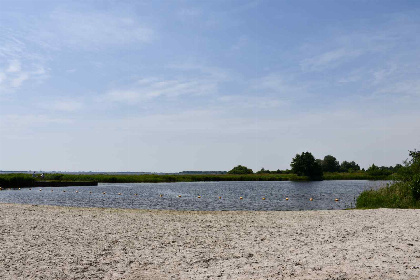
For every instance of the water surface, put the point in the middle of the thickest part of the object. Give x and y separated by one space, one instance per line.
118 195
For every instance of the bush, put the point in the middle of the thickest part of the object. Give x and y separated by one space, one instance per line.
403 193
415 187
240 170
18 180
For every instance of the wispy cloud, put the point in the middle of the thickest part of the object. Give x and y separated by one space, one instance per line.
89 30
234 102
15 75
189 12
403 88
202 70
280 86
329 60
187 80
14 66
152 88
17 81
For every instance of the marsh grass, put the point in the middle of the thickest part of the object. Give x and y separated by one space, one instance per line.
396 195
16 180
404 192
26 180
154 178
355 176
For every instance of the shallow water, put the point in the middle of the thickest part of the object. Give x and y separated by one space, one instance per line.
323 193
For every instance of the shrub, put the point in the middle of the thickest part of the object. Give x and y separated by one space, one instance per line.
403 193
415 187
241 170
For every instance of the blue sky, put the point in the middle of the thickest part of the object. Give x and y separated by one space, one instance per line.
206 85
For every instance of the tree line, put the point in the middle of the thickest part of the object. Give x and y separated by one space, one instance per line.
305 164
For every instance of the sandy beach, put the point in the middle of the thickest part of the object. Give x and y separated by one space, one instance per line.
47 242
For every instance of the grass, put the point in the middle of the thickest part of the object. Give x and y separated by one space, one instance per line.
16 180
396 195
26 180
355 176
153 178
22 180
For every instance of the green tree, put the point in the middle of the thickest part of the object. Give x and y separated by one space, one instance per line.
330 164
346 166
374 170
264 171
240 170
410 173
306 165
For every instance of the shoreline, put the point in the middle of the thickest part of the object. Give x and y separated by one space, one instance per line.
19 180
61 242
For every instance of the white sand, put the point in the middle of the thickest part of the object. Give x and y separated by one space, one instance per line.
45 242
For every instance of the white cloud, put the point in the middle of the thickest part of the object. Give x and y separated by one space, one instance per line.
16 75
17 81
14 66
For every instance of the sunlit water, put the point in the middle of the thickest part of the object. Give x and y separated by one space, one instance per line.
148 196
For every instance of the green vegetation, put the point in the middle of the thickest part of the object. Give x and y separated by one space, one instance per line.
346 166
154 178
240 170
16 180
25 180
330 164
304 168
403 193
358 175
306 165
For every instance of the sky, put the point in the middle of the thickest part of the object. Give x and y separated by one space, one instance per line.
167 86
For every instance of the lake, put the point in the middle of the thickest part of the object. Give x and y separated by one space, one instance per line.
148 196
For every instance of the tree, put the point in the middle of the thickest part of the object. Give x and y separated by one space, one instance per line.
240 170
375 171
411 167
330 164
349 166
263 171
409 174
306 165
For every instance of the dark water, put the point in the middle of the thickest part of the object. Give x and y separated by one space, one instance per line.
323 193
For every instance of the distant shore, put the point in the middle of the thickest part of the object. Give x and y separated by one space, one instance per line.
66 243
21 180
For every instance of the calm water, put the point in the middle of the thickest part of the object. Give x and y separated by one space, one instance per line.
323 193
